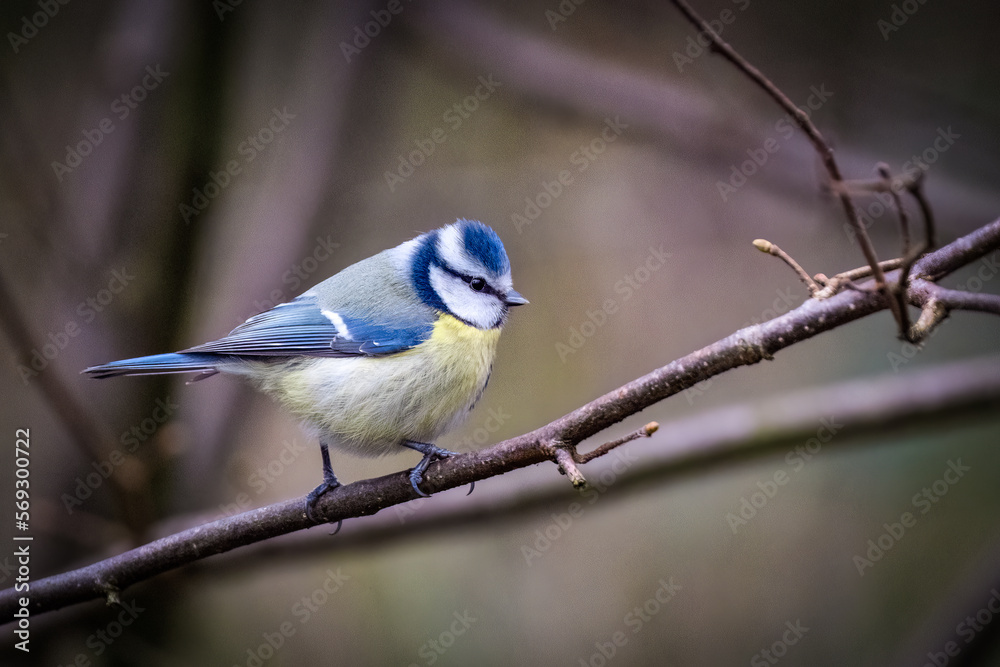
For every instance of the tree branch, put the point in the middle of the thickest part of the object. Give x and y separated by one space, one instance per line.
720 436
747 346
808 127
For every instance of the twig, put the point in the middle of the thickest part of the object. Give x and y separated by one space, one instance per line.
851 187
904 221
766 246
866 271
564 459
366 497
807 126
846 279
932 314
922 292
916 190
898 290
644 432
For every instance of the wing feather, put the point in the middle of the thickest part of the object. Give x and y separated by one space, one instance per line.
302 327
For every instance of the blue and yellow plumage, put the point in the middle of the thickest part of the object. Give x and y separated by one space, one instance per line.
392 351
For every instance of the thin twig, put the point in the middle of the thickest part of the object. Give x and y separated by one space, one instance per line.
916 190
898 290
846 279
644 432
807 126
904 220
922 291
766 246
853 187
745 347
932 314
564 459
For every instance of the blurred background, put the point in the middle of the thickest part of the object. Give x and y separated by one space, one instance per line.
172 168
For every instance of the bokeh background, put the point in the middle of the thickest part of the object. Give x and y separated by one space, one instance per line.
139 241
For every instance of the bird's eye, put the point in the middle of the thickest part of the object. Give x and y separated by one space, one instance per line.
477 284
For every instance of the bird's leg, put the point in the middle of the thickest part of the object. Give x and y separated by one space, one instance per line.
431 453
329 484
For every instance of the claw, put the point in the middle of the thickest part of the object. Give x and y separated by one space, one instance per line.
415 479
329 484
431 453
314 497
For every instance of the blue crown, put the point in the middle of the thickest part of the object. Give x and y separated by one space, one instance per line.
479 241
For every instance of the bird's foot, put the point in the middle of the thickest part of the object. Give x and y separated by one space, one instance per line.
431 453
330 483
314 497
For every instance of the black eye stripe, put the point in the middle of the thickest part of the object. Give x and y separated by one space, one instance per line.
487 288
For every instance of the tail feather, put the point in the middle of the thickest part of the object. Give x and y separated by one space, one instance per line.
158 364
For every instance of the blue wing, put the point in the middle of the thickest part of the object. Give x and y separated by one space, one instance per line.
302 327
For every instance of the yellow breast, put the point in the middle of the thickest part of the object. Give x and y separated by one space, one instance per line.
369 404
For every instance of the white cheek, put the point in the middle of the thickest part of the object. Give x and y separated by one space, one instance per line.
481 310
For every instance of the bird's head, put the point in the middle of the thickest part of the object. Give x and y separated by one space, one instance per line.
462 269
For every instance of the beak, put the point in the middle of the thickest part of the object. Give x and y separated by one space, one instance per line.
513 298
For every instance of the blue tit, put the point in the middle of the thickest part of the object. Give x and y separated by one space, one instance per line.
391 352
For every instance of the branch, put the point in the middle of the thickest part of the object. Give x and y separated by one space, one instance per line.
720 436
769 248
922 292
811 131
107 578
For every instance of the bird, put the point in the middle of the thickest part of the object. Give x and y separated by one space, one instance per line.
391 352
